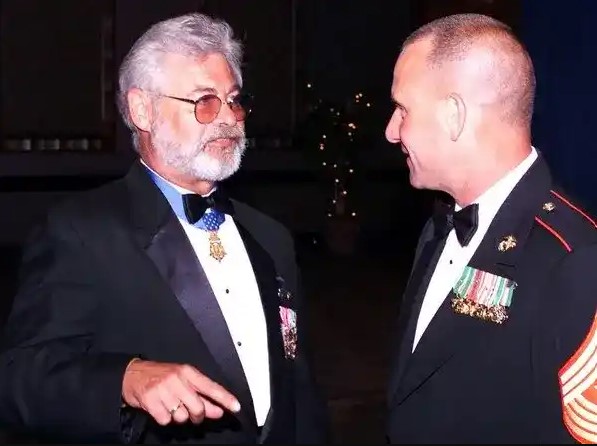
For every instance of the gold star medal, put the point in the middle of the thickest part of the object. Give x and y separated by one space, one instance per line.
211 222
216 249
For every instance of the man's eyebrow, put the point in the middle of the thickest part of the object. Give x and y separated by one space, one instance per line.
202 89
397 103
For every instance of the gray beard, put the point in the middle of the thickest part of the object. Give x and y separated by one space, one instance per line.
192 160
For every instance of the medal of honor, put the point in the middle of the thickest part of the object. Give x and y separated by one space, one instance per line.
216 249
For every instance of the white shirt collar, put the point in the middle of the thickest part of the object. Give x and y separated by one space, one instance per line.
492 199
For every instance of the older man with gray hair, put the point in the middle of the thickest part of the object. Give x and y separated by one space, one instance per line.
156 309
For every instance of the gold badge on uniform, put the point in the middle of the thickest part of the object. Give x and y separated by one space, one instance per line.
549 206
507 243
483 295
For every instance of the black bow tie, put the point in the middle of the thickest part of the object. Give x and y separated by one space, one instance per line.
464 222
195 205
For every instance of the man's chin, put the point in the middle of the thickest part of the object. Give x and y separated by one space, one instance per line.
415 181
215 172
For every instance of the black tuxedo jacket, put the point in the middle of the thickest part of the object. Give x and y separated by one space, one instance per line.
475 381
108 277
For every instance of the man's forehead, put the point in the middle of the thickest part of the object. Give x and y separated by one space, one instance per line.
413 56
202 63
211 71
404 73
411 64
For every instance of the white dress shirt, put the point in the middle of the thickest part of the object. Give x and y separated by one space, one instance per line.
235 287
454 258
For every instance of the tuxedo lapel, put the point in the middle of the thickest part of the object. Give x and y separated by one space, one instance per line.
414 293
188 297
449 333
265 274
173 254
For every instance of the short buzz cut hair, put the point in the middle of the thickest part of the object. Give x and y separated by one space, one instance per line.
514 77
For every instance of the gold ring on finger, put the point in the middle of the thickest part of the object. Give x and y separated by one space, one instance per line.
175 408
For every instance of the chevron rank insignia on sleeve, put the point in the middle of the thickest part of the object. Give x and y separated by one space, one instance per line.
578 382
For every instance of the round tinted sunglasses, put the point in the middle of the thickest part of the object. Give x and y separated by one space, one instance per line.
207 107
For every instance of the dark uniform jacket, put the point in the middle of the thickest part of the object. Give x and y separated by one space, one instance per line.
472 379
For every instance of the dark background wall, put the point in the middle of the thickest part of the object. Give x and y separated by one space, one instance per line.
59 134
561 38
58 64
58 71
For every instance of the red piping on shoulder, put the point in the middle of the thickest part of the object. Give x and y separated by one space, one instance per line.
555 233
574 207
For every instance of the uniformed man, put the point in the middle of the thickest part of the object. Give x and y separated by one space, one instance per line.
496 333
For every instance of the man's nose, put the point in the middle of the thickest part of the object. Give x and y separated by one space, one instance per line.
393 129
226 115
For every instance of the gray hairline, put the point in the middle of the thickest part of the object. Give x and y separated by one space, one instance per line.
192 35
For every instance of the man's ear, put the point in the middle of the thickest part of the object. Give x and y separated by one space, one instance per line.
140 108
454 115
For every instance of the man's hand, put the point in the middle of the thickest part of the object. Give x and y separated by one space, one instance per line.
174 392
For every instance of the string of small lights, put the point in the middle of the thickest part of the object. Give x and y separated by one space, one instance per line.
337 142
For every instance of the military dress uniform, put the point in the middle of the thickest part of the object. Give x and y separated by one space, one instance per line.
510 355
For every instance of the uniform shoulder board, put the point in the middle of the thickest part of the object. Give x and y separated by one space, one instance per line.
578 384
570 224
